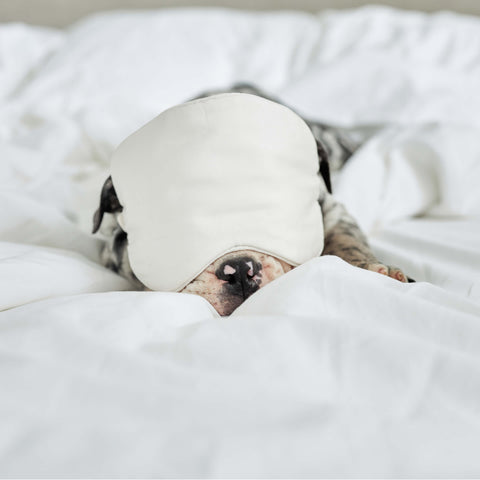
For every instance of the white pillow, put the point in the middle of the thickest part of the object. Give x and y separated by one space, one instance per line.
23 48
228 172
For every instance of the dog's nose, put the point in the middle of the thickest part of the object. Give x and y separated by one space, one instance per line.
243 275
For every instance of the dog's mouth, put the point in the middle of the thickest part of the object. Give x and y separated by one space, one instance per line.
231 279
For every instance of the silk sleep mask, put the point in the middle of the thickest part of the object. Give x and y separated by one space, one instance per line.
214 175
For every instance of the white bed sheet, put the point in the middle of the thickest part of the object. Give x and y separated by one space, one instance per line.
328 371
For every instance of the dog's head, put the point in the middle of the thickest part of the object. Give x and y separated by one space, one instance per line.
226 283
221 198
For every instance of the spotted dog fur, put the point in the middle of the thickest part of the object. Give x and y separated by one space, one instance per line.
344 239
232 278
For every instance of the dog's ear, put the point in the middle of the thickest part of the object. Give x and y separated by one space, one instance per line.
108 203
324 167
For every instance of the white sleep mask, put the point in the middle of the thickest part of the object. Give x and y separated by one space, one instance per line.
227 172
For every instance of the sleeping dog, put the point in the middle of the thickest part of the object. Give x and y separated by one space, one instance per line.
236 274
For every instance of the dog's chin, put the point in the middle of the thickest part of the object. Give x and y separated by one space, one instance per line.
219 293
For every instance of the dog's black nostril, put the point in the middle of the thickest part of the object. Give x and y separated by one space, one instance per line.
239 273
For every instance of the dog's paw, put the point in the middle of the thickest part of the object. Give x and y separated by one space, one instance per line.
392 272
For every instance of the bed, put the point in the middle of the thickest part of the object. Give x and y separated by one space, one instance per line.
329 371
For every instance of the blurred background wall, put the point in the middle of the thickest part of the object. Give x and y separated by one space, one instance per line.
59 13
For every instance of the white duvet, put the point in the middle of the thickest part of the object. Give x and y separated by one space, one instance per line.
328 371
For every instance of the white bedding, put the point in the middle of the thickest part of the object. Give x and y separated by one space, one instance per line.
328 371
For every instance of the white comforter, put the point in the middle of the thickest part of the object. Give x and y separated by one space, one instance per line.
328 371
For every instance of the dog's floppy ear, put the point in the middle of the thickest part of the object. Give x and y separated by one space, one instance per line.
324 167
108 203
